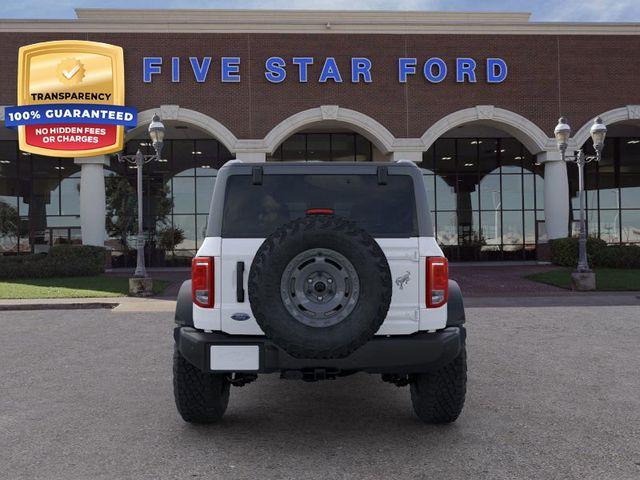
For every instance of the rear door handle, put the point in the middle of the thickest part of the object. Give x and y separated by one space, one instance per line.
240 282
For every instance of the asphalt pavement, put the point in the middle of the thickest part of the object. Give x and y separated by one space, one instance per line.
554 392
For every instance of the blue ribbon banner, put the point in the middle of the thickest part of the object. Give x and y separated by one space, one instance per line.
70 113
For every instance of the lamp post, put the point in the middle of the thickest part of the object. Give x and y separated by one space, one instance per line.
156 133
583 278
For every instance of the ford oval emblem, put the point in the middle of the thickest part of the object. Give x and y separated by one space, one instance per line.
240 317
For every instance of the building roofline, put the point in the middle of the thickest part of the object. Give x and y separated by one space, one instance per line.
310 21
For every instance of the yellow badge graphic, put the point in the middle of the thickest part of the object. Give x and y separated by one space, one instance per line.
71 99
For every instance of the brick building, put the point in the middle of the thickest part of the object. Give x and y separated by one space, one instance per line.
472 98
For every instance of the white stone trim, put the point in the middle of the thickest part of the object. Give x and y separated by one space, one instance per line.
531 136
312 21
628 112
192 117
382 138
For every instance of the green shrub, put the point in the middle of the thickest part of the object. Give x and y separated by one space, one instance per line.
564 252
61 261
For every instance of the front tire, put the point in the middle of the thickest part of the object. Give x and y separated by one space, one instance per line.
200 397
438 397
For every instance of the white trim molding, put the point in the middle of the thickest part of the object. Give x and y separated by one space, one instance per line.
192 117
531 136
373 130
622 114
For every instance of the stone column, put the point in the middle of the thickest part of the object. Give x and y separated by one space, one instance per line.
556 194
92 199
406 155
251 156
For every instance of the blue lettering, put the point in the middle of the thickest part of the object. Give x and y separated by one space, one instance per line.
330 71
496 70
200 71
275 69
428 70
175 69
360 67
151 66
230 69
406 66
465 67
303 64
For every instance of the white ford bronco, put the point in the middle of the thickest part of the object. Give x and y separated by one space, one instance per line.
317 271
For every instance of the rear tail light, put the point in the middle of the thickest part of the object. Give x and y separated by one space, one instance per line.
437 281
202 281
320 211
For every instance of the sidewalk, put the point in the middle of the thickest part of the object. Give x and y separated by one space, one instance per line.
483 286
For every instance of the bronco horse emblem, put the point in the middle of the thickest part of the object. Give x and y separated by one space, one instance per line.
402 280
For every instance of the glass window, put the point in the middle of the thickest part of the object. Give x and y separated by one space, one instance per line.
201 228
512 228
491 224
609 226
467 153
511 155
294 148
187 223
44 166
445 195
427 159
363 149
343 147
631 226
447 228
184 195
70 196
512 192
183 157
490 198
630 190
629 155
204 190
257 210
8 159
319 147
445 157
488 156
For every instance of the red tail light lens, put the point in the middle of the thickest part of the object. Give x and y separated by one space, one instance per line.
437 281
202 281
320 211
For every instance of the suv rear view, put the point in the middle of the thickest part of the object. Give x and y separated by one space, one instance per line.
317 271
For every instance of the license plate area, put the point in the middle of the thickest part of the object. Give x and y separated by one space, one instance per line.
234 358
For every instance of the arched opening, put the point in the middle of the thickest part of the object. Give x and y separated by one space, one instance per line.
612 186
486 193
327 142
176 190
329 133
39 199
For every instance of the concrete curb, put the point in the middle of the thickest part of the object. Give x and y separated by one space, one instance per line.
11 307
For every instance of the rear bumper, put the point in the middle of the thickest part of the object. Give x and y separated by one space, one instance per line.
400 354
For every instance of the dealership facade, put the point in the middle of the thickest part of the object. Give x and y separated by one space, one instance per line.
472 98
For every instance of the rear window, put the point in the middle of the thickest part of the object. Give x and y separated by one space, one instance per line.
255 211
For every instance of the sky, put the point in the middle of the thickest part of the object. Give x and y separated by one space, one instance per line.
542 10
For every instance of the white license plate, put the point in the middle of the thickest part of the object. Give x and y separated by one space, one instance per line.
235 358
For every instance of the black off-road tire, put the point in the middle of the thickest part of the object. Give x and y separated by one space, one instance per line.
322 232
438 397
200 397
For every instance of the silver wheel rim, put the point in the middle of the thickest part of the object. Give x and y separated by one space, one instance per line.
320 287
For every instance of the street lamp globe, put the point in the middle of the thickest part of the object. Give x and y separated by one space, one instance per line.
562 133
598 132
156 132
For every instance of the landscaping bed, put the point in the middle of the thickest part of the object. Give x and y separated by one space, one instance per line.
70 287
607 279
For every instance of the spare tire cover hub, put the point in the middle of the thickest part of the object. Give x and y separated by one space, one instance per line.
320 287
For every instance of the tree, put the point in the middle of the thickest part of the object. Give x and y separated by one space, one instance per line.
9 221
122 208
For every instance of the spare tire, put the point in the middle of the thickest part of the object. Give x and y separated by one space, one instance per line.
320 287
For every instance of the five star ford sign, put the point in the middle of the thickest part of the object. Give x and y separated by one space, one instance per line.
70 99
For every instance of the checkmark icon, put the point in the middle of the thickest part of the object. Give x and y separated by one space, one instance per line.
71 73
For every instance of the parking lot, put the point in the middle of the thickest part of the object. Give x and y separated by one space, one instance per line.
554 392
